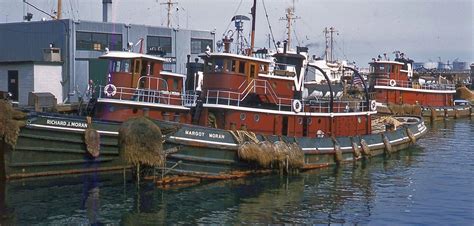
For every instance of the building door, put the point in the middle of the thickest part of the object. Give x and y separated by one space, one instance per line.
13 84
98 71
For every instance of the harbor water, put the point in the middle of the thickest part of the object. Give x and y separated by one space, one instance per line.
429 184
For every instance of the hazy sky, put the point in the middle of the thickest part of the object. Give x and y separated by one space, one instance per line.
423 29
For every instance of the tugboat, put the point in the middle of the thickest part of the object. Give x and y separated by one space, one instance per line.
398 91
137 83
250 117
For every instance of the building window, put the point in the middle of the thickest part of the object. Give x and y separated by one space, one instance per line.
114 41
158 45
200 45
98 41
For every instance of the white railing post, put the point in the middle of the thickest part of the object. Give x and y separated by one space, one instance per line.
238 101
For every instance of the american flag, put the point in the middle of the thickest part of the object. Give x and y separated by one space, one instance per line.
356 81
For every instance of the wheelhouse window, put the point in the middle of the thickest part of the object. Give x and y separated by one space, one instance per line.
219 65
242 67
200 45
98 41
379 68
121 66
252 71
263 68
234 66
158 45
175 84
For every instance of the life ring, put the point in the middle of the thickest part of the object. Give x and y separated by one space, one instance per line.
373 105
110 90
297 106
392 82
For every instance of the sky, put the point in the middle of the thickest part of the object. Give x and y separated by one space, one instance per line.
425 30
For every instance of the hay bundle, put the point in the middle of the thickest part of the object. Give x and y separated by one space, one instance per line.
464 93
417 110
392 121
365 147
268 155
411 136
356 150
5 116
10 123
92 140
338 158
11 134
396 109
281 150
296 156
267 149
407 109
388 146
251 152
141 142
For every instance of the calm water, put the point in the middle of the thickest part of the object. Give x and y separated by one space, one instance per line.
431 184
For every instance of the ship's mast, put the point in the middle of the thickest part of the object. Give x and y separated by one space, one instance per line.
58 15
169 4
289 17
328 34
252 36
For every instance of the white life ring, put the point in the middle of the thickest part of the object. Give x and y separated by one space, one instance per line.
110 90
297 106
392 82
373 105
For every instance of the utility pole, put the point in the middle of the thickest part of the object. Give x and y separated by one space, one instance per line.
289 17
169 5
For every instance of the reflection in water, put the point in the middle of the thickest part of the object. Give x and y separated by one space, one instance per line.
90 197
7 216
379 190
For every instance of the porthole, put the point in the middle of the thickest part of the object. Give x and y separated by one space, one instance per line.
256 117
242 116
310 121
300 121
319 121
359 120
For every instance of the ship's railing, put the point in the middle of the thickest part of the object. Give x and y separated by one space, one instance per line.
231 98
145 96
414 85
254 86
339 106
152 83
372 95
190 98
236 99
265 88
